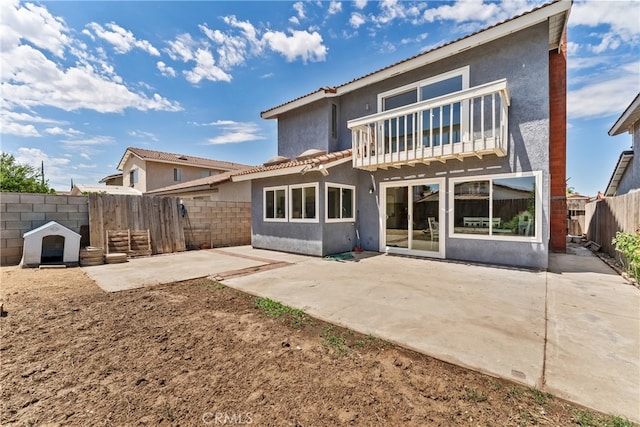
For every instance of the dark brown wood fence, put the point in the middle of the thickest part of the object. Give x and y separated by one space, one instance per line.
612 214
160 215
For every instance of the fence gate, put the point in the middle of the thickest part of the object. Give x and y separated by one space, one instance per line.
159 215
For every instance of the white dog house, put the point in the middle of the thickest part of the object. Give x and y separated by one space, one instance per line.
51 243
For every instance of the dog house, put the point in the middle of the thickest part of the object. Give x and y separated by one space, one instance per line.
51 243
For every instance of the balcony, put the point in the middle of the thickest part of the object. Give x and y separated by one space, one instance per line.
471 122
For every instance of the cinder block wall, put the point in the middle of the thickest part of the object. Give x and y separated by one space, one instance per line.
216 223
22 212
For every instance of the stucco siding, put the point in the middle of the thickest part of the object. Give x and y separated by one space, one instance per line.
304 129
631 178
522 58
310 238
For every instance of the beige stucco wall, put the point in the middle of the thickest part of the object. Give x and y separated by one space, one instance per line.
227 192
131 163
154 175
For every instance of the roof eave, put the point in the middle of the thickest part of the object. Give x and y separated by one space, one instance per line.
628 118
285 171
618 172
485 36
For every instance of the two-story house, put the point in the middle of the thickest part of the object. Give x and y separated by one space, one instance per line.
458 152
147 170
626 174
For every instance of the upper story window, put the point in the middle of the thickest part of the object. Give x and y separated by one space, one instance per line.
177 174
440 125
340 202
498 207
133 177
275 204
304 203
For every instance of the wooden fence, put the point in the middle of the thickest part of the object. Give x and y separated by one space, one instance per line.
160 215
612 214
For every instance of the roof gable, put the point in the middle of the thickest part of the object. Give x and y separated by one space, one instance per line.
556 12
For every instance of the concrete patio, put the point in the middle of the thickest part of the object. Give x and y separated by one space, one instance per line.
573 331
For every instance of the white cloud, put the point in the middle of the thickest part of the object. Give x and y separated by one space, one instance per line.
18 129
417 39
34 24
235 132
621 16
122 40
307 46
360 4
294 20
30 79
391 10
165 70
55 168
334 7
84 166
610 41
465 10
356 20
206 69
60 131
182 48
142 134
299 8
611 90
87 142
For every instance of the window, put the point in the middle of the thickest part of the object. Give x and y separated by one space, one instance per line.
334 121
499 206
304 202
204 174
177 174
340 202
436 126
275 204
133 177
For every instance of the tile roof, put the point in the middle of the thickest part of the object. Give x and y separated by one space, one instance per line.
209 181
321 159
334 89
163 157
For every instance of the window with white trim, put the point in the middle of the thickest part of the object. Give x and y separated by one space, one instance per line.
133 177
498 207
177 174
340 202
303 199
440 125
275 204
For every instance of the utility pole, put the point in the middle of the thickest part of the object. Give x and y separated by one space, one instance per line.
42 174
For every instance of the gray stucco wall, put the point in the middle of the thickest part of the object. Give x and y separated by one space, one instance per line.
521 58
306 128
631 178
316 239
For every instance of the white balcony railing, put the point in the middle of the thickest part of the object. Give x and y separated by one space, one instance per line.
471 122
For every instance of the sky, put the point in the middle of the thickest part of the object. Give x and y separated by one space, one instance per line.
82 81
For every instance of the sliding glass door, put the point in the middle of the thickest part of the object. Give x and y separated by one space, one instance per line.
412 217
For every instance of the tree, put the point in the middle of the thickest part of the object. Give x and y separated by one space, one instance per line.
18 178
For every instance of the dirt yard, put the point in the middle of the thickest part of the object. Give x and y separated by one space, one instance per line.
198 353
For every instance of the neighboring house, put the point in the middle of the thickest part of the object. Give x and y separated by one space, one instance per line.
458 152
576 206
84 189
626 174
148 170
218 187
115 179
